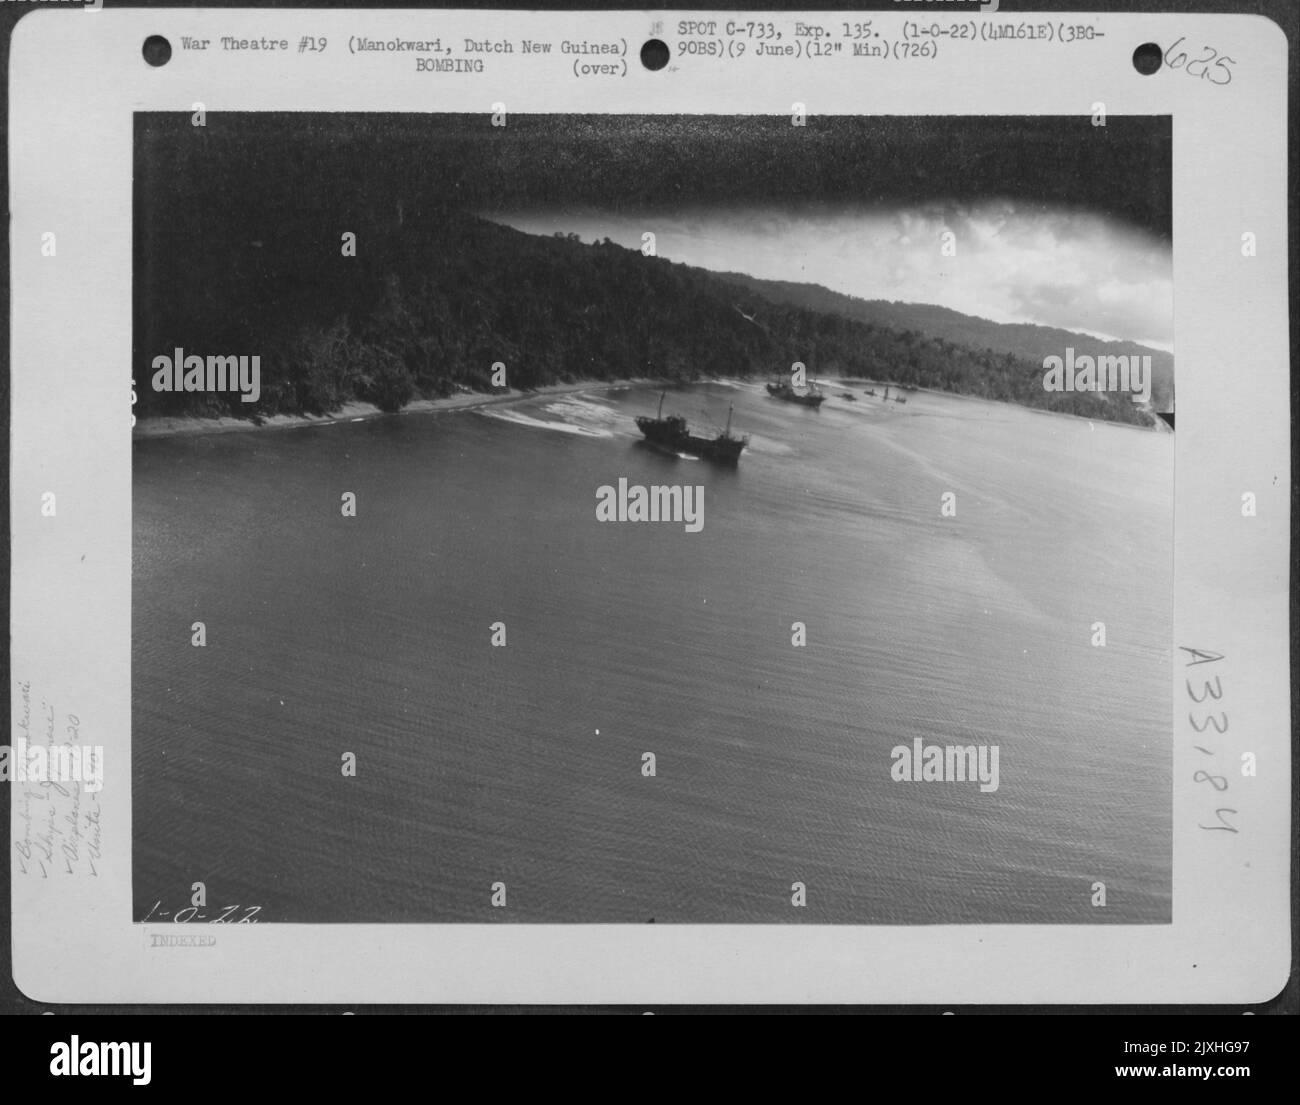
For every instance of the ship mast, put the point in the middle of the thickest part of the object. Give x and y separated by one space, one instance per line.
661 403
730 408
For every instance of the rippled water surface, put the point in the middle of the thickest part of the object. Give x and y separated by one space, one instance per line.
523 764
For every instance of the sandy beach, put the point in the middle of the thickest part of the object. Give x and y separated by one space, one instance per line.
357 411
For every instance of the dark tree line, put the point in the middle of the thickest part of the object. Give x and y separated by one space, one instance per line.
431 302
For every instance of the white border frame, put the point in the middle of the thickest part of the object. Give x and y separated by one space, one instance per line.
76 77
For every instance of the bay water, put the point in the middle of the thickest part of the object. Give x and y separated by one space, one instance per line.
525 764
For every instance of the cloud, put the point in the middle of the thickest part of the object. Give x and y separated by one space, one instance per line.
1013 263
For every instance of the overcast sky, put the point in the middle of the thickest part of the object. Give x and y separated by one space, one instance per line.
1056 221
1015 261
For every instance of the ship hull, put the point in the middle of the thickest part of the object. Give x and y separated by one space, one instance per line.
722 450
779 391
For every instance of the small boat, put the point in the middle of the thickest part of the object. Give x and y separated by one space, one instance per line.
885 397
899 398
811 396
849 396
671 433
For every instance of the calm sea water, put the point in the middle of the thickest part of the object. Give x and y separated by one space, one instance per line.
523 764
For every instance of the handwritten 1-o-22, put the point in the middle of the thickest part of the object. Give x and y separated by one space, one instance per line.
191 913
1211 690
1208 65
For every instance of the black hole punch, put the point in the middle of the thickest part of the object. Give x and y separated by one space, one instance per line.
654 54
1147 58
157 50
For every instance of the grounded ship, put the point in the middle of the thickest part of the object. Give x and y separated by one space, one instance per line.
887 397
811 396
671 433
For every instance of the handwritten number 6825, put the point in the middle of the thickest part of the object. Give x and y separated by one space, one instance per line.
1220 74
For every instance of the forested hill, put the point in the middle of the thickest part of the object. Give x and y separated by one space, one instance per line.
433 298
1023 340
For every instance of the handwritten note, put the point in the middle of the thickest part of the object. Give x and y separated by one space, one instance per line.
1209 699
1205 63
58 832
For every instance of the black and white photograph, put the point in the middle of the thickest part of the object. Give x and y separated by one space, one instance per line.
708 519
648 512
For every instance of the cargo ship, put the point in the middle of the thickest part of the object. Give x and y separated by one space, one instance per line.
671 433
811 396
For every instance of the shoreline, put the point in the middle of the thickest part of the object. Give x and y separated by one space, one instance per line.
1159 426
357 411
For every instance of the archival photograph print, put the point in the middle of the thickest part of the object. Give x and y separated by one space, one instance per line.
684 519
